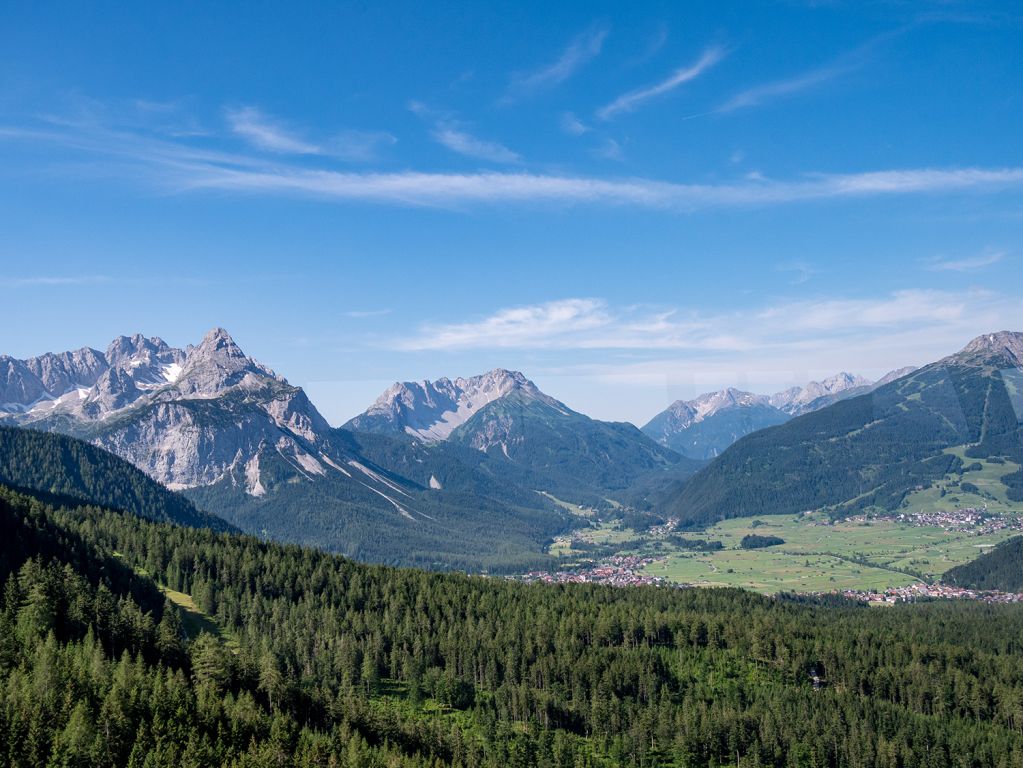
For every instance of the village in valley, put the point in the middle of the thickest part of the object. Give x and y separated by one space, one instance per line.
878 558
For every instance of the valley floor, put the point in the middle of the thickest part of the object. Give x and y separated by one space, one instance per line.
854 555
883 555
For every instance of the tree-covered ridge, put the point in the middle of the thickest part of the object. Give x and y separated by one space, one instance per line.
77 472
1000 568
564 452
868 451
344 664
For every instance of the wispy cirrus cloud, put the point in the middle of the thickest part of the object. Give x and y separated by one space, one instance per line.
451 133
456 189
765 92
464 143
572 125
594 324
580 51
266 133
844 64
537 325
359 146
362 314
969 264
629 102
180 166
53 280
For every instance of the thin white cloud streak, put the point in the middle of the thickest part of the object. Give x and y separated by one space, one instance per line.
609 150
757 95
360 314
592 324
630 101
580 51
264 133
178 166
520 327
53 280
359 146
451 134
843 65
454 189
572 125
464 143
968 264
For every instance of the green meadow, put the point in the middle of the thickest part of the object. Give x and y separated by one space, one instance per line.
818 556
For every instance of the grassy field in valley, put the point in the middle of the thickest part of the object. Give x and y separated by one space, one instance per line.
817 556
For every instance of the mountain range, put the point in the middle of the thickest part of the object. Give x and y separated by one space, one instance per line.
240 441
468 472
704 427
482 472
528 436
871 451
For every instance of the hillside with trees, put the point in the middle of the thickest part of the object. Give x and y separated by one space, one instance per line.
70 470
281 656
871 451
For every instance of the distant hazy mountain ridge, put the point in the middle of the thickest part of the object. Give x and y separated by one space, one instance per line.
705 426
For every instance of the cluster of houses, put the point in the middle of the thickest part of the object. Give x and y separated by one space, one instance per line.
920 591
974 520
616 571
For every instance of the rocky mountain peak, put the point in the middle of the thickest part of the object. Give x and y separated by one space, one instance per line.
1003 347
684 413
218 364
432 410
841 381
125 348
65 371
218 341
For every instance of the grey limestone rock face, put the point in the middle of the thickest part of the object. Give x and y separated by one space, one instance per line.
187 417
432 410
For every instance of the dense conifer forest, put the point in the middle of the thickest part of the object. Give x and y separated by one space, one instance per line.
1000 568
68 470
294 657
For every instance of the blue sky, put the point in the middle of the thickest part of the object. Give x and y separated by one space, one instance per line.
630 203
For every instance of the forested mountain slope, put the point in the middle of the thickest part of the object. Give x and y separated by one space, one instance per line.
999 568
561 451
315 660
871 450
75 471
521 435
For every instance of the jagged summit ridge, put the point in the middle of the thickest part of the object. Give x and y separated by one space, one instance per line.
703 427
1003 347
218 364
143 400
432 410
794 399
709 403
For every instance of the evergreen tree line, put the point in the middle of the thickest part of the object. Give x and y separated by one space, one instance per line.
293 657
